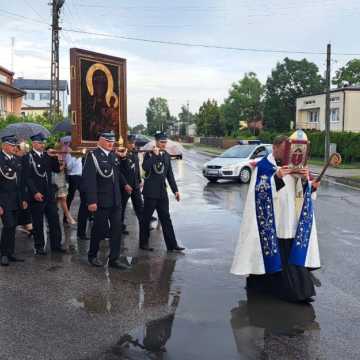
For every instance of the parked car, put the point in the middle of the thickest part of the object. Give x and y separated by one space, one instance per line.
234 163
141 140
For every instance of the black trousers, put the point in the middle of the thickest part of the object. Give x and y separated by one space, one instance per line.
83 214
50 210
137 201
102 218
162 208
7 242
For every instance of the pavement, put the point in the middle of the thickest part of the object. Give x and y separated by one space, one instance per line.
184 307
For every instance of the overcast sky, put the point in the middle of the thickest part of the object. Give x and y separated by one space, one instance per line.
181 74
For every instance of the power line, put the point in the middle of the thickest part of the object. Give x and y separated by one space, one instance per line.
208 46
34 10
187 44
23 17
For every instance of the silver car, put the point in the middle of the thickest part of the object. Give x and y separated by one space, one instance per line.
234 163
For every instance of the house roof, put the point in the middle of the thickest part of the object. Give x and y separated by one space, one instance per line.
12 90
348 88
38 84
6 71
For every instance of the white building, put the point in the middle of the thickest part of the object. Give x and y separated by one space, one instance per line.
344 110
37 98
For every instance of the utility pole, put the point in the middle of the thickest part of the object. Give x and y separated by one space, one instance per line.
54 82
327 108
12 53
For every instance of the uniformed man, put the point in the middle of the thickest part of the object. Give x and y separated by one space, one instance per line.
38 168
12 198
102 184
157 167
129 164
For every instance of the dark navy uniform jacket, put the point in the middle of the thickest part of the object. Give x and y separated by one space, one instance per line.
155 181
12 193
131 169
37 172
100 187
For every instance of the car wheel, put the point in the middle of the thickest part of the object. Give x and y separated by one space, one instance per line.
213 180
245 175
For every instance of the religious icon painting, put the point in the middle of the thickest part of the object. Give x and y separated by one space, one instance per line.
98 96
297 150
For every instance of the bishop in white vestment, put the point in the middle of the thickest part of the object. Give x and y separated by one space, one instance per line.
278 242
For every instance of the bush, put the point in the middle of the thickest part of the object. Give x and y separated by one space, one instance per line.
348 144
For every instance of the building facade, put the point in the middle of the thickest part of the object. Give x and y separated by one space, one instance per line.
37 98
10 96
344 110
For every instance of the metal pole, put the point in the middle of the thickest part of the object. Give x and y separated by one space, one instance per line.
327 108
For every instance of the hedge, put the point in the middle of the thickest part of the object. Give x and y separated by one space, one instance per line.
347 143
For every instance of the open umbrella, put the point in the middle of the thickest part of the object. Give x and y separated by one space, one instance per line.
24 130
63 126
172 147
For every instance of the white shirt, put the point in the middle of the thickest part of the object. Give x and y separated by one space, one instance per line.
7 155
107 152
38 153
73 165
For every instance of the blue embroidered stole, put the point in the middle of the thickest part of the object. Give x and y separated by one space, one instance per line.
265 217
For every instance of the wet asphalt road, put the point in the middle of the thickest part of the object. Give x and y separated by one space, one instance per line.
182 307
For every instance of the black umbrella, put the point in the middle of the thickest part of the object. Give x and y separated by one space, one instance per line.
24 130
63 126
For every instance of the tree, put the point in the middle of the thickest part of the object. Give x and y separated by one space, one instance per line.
185 118
244 102
209 121
158 115
348 75
288 81
138 129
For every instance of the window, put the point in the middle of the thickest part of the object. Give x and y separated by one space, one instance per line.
334 115
2 104
335 98
313 116
30 96
3 78
44 96
308 102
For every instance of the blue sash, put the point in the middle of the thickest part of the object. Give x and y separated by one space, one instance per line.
266 221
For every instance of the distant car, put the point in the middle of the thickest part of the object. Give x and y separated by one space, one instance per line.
234 163
141 140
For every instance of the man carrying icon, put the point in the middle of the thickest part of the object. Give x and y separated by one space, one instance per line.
158 170
102 183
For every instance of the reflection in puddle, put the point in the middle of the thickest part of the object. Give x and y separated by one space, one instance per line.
265 327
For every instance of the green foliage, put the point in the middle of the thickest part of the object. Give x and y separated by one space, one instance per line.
244 102
38 119
138 129
209 121
348 75
348 144
158 115
289 80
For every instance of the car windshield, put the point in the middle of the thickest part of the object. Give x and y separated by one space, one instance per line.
238 151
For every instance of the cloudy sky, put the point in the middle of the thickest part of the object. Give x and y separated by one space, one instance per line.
180 73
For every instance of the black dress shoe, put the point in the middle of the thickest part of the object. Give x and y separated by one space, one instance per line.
146 248
15 259
125 232
40 252
117 264
4 261
59 250
153 218
176 249
95 262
